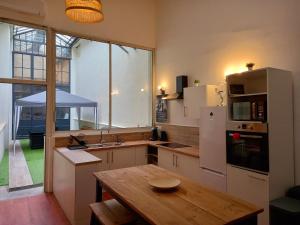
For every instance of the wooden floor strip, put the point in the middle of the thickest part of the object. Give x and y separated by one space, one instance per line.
19 175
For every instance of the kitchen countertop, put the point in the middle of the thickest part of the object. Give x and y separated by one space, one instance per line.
82 157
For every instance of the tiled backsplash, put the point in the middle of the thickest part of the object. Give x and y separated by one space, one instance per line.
133 136
181 134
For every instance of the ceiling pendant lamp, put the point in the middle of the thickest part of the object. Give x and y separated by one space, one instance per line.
84 11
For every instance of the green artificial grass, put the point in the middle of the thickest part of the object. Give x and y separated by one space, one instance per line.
35 162
4 169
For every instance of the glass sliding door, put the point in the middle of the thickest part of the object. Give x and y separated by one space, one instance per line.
23 100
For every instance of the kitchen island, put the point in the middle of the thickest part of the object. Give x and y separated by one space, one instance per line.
189 204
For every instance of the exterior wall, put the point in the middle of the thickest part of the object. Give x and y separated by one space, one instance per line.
206 39
89 78
131 87
5 89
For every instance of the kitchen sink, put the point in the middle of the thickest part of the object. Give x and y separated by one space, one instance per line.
174 145
106 144
98 145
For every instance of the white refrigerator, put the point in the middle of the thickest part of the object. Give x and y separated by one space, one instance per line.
213 147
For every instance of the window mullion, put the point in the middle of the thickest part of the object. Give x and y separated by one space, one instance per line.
110 85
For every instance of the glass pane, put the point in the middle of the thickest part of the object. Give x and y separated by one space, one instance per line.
82 69
18 60
18 46
65 65
27 73
131 87
39 74
26 61
18 72
39 62
65 77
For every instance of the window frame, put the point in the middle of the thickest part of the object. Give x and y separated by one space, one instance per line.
151 83
50 84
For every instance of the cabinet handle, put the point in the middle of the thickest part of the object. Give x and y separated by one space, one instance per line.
112 156
176 161
107 157
256 178
184 111
173 160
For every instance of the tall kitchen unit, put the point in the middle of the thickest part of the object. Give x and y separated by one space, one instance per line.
212 147
259 136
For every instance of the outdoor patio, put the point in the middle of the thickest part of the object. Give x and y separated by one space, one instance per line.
24 169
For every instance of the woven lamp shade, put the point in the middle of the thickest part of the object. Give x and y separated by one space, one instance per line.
84 11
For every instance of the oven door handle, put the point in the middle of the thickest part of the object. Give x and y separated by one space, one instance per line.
248 136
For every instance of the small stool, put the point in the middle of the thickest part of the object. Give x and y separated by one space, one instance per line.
110 212
285 211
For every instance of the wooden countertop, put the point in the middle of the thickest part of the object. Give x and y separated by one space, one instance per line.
79 157
190 151
190 204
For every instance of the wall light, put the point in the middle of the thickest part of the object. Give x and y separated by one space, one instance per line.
84 11
115 92
235 69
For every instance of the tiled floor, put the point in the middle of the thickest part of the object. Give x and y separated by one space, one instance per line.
41 209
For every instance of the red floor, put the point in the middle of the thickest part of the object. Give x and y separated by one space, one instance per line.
37 210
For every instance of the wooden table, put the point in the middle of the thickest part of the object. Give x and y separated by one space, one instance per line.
190 204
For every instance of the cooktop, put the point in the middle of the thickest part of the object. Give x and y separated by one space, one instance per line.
174 145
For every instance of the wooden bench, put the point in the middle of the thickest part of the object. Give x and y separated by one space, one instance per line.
110 212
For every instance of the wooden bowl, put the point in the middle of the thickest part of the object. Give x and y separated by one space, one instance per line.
164 183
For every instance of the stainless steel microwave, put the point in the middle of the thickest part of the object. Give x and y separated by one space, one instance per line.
249 111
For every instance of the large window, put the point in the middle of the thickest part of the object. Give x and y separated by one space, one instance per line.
131 87
101 96
28 53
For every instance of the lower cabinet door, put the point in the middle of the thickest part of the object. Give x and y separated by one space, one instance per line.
105 156
187 166
166 159
122 158
212 179
252 187
141 157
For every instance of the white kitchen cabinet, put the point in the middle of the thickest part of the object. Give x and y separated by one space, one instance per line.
184 165
197 97
188 166
105 156
74 188
141 157
252 187
122 158
166 159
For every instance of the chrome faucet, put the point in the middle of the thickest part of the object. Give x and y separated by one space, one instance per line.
101 134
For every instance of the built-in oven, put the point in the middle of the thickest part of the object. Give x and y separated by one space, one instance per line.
247 146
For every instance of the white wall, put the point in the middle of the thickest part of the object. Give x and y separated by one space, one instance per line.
5 89
207 38
130 21
131 87
90 78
